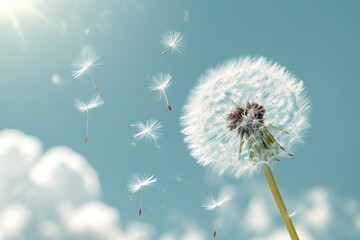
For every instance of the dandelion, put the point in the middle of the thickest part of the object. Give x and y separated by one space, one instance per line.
211 203
172 40
95 102
136 184
150 131
160 83
242 116
84 64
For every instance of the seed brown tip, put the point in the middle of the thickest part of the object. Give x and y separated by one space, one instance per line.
140 212
85 140
97 90
214 234
169 107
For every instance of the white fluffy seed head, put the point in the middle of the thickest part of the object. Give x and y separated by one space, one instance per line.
150 131
172 40
96 101
136 182
242 86
160 83
210 203
84 63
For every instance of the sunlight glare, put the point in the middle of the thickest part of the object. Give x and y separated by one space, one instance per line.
10 5
6 3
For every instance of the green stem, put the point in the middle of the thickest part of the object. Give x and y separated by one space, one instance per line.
241 146
280 203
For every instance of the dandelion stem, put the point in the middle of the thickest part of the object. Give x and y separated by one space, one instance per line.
167 49
93 82
241 145
87 127
140 202
87 123
215 222
167 101
280 203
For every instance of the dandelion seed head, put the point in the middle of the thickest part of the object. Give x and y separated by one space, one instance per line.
95 102
172 40
84 63
249 104
137 182
160 82
210 203
150 131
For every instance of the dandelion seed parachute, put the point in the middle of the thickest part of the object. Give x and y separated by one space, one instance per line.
211 203
160 83
244 114
95 102
137 183
150 130
84 64
173 41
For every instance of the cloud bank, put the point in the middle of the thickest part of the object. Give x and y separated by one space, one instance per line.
54 195
318 213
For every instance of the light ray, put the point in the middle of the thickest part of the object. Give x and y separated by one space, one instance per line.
42 17
17 28
11 10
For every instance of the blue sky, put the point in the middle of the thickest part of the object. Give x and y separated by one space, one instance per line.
317 41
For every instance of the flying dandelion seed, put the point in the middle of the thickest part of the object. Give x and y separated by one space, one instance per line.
137 183
160 83
242 116
150 131
211 203
84 64
173 41
95 102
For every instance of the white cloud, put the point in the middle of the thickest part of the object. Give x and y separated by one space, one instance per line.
192 233
254 214
351 207
49 229
53 169
257 217
13 220
318 215
185 227
54 195
281 233
92 217
357 222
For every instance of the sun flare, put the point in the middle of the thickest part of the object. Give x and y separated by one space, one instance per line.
14 11
11 6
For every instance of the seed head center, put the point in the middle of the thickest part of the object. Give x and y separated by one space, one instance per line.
246 119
